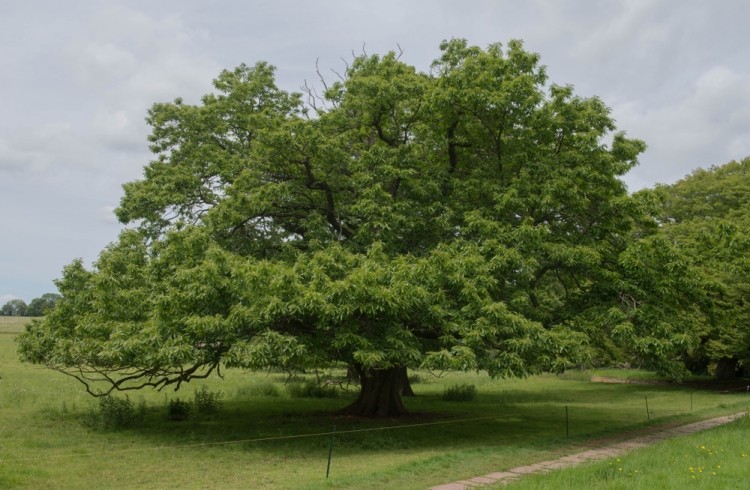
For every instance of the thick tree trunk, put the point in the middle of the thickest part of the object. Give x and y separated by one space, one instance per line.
379 395
352 374
405 384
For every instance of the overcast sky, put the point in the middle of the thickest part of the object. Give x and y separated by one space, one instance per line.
77 77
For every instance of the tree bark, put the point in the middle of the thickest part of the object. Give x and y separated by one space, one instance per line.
352 374
405 384
379 395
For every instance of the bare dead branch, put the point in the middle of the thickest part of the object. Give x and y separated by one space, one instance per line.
320 75
130 380
342 78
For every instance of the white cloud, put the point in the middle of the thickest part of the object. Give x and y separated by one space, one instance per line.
125 61
100 64
709 125
117 130
130 58
635 23
107 215
79 76
38 149
13 159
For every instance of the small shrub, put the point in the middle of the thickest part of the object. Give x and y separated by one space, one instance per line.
111 414
311 390
178 410
269 390
206 402
414 378
460 393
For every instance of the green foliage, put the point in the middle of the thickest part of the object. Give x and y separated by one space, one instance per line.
472 218
38 306
460 393
178 410
112 413
43 304
707 217
14 307
205 401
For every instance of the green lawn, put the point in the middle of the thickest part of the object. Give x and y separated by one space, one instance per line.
510 423
715 459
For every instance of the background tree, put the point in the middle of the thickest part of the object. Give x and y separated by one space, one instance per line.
707 215
470 218
41 305
14 307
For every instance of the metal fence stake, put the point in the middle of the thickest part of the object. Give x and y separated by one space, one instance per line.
330 451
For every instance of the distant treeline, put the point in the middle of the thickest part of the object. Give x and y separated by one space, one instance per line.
38 306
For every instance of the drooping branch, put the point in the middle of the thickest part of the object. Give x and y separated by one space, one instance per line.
128 380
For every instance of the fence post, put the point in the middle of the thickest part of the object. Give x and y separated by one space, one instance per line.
330 451
648 414
567 424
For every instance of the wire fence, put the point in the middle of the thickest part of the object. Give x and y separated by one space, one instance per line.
247 441
565 419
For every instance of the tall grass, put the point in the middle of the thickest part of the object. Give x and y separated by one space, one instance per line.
248 443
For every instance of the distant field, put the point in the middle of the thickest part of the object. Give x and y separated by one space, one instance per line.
265 435
13 324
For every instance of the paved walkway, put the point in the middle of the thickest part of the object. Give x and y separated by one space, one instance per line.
593 450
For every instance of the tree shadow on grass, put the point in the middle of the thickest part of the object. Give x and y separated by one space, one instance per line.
511 417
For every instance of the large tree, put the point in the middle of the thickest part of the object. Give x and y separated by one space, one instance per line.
14 307
467 218
43 304
707 215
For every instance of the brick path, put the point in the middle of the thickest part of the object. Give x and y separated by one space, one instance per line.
594 450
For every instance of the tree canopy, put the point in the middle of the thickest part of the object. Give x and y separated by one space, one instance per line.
707 215
43 304
14 307
471 217
37 307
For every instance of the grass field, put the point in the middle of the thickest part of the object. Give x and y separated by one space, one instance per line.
12 324
714 459
254 440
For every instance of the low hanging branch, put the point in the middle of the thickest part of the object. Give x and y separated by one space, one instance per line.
128 380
